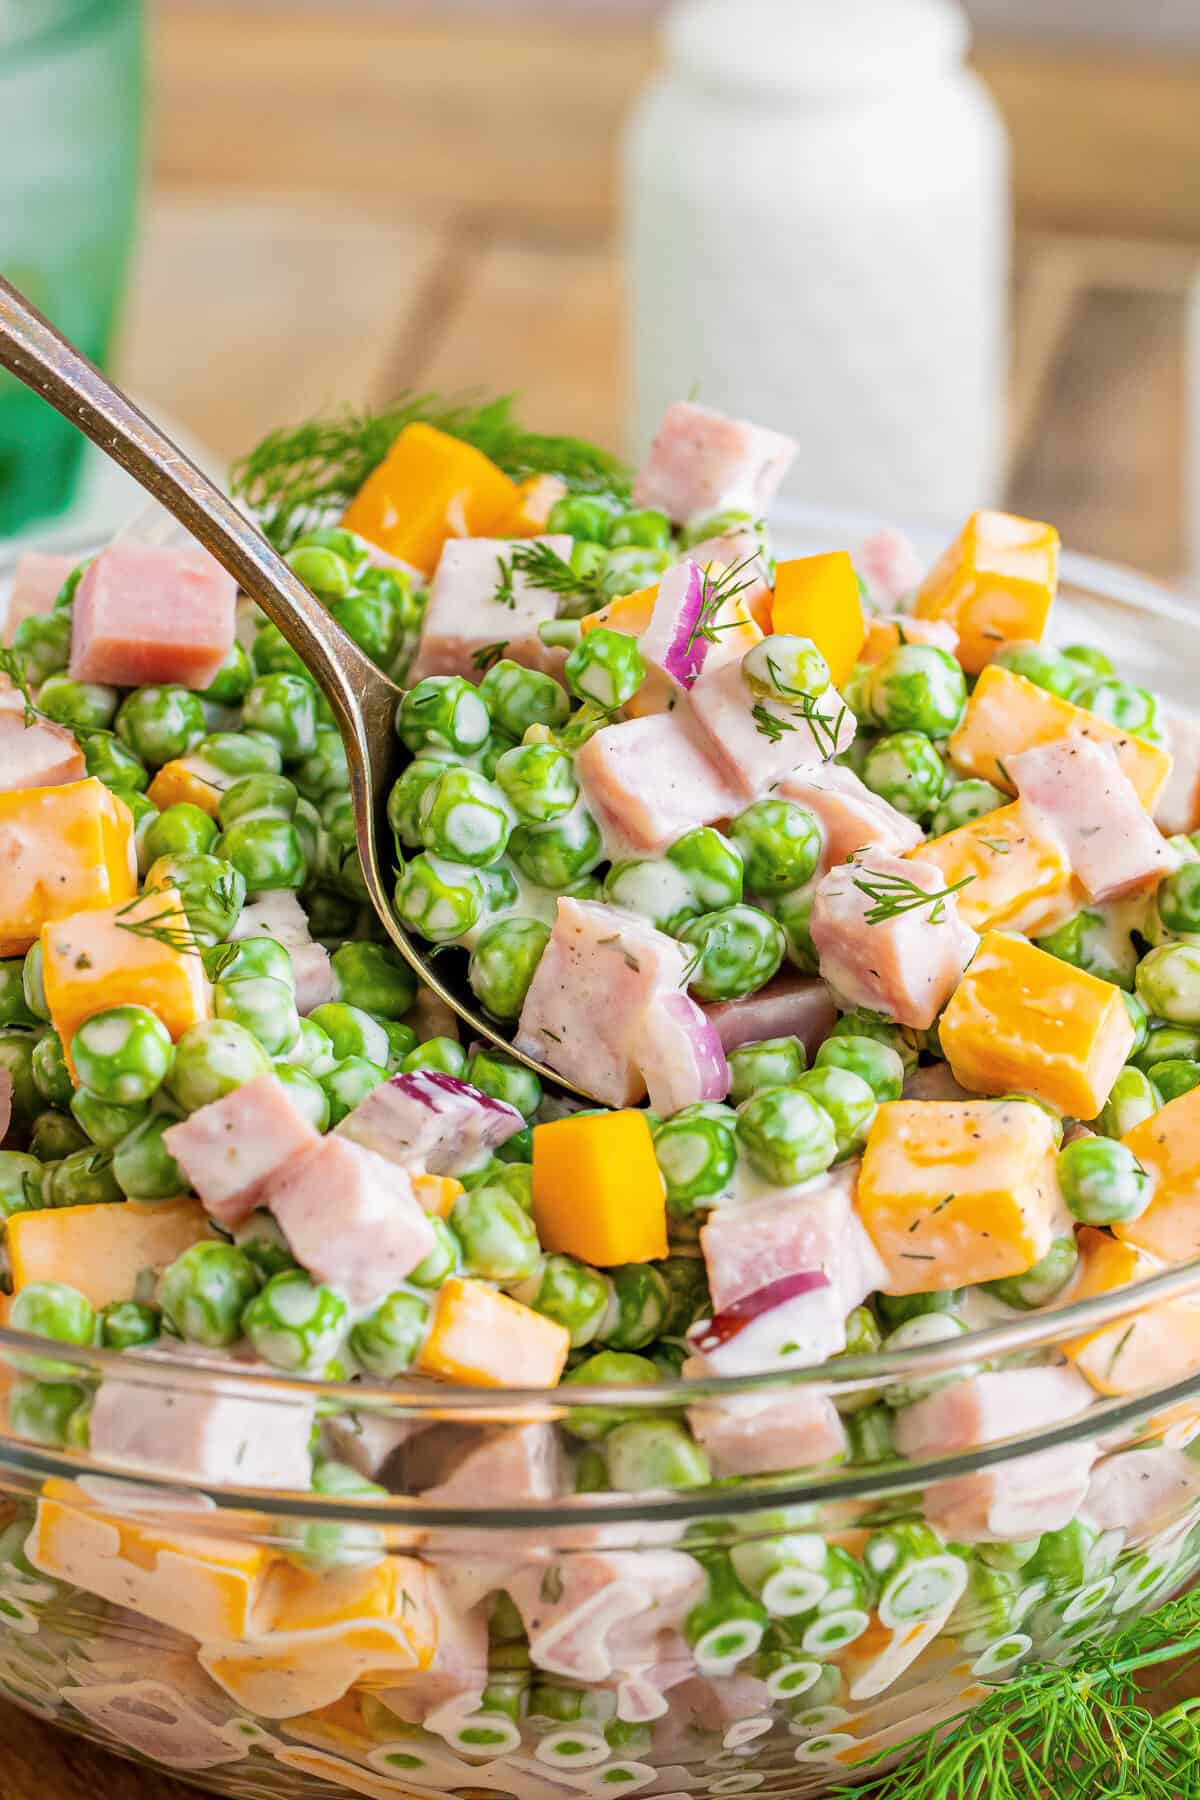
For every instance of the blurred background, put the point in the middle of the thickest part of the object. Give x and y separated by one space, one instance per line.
798 207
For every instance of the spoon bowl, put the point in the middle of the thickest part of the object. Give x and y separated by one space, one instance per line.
362 697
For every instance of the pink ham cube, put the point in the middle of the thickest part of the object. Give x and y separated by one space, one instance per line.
902 963
608 967
766 1434
458 1673
743 550
1112 843
351 1219
851 817
574 1608
279 915
230 1149
791 1005
152 613
757 744
430 1121
650 780
749 1246
35 588
466 613
889 564
702 461
1178 806
1018 1500
40 754
1142 1492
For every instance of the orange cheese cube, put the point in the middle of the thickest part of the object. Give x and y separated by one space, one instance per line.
1022 1021
954 1192
1144 1349
888 633
1167 1145
436 1193
430 487
101 1250
62 849
818 597
536 499
629 613
1006 714
995 583
482 1338
176 782
597 1190
93 960
1020 877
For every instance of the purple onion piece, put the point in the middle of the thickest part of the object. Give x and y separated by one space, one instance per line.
725 1325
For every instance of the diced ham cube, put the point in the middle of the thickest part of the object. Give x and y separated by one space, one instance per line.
34 588
351 1219
40 754
230 1149
1142 1492
753 753
1018 1500
713 1703
432 1122
889 564
754 1243
1112 844
367 1441
571 1607
648 781
201 1434
151 613
1178 806
5 1102
905 963
523 1463
680 1056
851 817
766 1434
608 967
702 462
791 1005
279 915
464 615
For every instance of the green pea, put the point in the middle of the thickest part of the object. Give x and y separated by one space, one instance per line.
1057 673
654 1453
587 516
328 560
1177 1076
331 917
262 794
14 1009
266 1008
772 1062
517 697
266 852
780 845
574 1295
1132 1098
51 1309
504 962
737 950
41 1411
83 705
729 521
1133 709
211 890
793 913
642 1301
647 529
964 802
1178 900
143 813
855 691
294 1323
231 683
443 712
180 830
240 753
499 1240
338 861
17 1049
128 1324
402 1041
212 1058
271 654
1165 1043
606 667
143 1167
325 1545
205 1292
374 977
785 666
43 641
696 1155
54 1135
464 817
848 1100
712 866
917 687
538 780
405 798
84 1178
123 1054
371 616
22 1183
48 1067
628 568
1102 1181
252 956
312 1050
875 1062
905 769
108 760
516 1178
386 1343
438 899
688 1298
160 723
444 1260
348 1083
786 1135
1043 1282
324 771
1086 942
351 1031
608 1368
897 1309
306 1094
504 1079
284 707
1168 983
106 1122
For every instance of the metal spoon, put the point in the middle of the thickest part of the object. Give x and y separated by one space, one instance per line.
362 697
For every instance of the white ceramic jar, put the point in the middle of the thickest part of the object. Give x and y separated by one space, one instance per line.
817 237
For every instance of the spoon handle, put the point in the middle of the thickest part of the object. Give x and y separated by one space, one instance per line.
37 354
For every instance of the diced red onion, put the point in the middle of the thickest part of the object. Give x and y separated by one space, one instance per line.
724 1325
678 617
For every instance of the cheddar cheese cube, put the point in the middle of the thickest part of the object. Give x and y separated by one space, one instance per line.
996 583
181 780
628 613
102 1250
62 849
480 1337
1007 714
1018 873
436 1193
536 499
597 1190
955 1192
818 597
94 960
1022 1021
430 487
1167 1145
1145 1349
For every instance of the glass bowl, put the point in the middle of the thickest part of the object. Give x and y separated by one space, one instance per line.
487 1629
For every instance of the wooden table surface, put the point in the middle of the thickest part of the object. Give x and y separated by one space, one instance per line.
338 212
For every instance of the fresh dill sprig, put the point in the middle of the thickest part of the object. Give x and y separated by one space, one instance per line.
15 666
1079 1732
896 894
825 727
504 595
715 591
488 655
298 477
171 928
543 567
